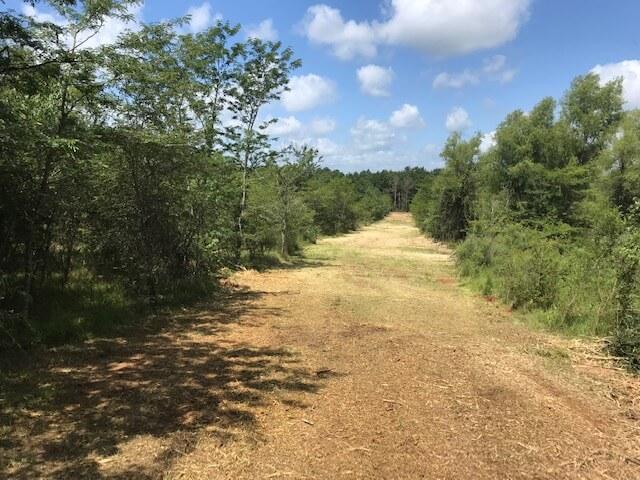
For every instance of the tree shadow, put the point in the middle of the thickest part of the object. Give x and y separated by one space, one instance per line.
64 410
271 261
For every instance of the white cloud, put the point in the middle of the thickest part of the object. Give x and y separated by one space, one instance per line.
112 26
375 80
488 141
457 120
494 64
201 17
322 126
371 135
375 145
284 127
437 27
307 92
629 71
408 116
264 31
455 80
444 27
42 17
494 69
324 25
326 147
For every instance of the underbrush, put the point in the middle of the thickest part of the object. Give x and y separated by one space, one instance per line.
89 306
579 288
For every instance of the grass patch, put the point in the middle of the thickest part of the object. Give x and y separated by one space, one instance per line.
90 306
85 308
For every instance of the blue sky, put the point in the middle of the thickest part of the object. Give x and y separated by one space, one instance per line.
384 83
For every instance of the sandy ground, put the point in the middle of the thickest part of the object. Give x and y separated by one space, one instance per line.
365 360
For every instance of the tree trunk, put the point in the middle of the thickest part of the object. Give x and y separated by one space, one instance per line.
283 237
243 202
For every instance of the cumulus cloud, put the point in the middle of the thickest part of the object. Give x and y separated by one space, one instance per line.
437 27
629 71
375 80
40 16
202 17
324 25
325 146
376 145
488 141
458 120
307 92
443 27
408 116
286 126
264 31
289 130
322 126
112 26
372 135
455 80
494 69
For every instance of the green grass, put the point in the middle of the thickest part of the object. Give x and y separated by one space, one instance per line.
90 306
87 307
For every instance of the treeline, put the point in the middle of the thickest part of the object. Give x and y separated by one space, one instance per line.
549 218
135 172
401 186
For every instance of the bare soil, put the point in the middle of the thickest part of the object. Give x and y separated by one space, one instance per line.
366 360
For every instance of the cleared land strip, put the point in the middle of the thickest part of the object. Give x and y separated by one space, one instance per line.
364 361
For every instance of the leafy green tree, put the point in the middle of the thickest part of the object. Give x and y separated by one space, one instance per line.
276 213
592 113
49 80
214 64
421 201
454 190
261 79
332 197
622 162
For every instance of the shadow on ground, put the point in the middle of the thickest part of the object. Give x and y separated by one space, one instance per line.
267 262
66 410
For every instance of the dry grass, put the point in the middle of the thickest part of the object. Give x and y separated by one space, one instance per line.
366 361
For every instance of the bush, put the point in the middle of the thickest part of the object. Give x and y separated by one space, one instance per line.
525 265
528 270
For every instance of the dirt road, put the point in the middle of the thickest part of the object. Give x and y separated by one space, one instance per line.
366 360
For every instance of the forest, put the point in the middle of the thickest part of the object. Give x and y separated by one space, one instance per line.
133 175
548 219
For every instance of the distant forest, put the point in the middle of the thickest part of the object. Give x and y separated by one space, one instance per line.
401 186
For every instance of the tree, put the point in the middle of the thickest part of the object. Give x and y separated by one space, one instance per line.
276 212
622 161
454 190
49 80
333 198
262 77
214 65
295 166
592 113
